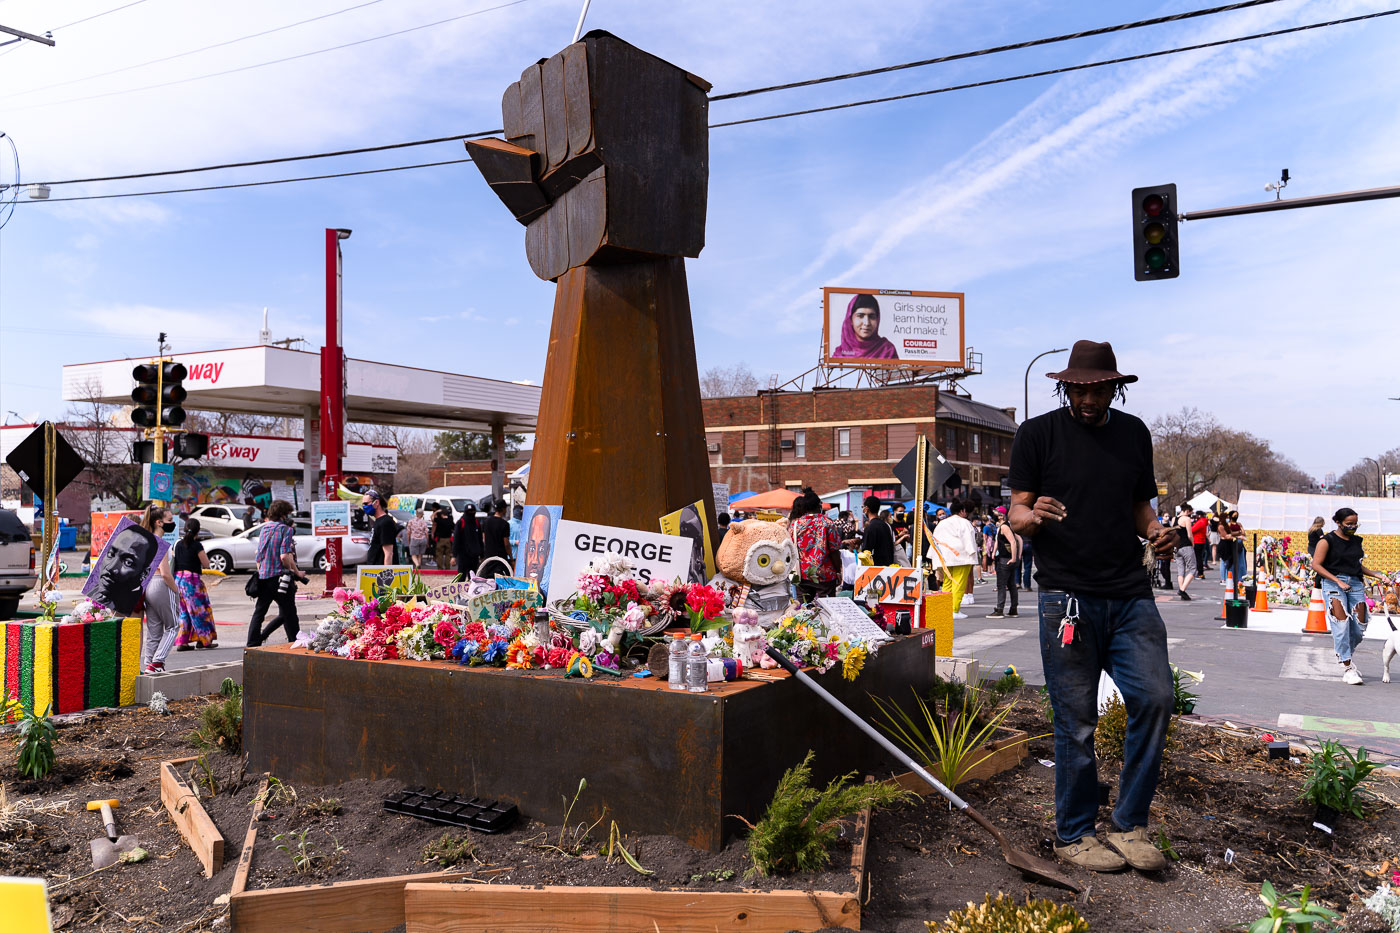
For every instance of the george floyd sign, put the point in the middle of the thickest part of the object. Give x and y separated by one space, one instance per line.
655 557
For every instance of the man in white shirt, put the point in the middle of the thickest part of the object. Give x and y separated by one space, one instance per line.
956 543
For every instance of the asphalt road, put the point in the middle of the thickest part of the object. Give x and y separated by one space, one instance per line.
1279 680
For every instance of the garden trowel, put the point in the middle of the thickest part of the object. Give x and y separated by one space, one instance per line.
109 849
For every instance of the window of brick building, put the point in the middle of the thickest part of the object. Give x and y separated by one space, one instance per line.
976 442
714 443
993 445
843 442
799 445
899 438
750 443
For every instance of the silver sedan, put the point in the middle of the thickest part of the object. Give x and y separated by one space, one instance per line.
240 551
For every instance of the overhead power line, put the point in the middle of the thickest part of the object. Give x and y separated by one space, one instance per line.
276 61
88 19
776 116
1055 71
171 58
1031 43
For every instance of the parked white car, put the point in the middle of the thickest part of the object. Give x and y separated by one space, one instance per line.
240 551
17 573
220 520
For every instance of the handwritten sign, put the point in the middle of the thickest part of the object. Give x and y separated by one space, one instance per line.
889 584
848 619
488 607
578 544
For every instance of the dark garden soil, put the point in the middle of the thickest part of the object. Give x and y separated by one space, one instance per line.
1218 792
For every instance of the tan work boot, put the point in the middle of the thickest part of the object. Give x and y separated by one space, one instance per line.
1137 850
1089 853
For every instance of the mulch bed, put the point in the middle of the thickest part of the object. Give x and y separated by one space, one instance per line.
1218 792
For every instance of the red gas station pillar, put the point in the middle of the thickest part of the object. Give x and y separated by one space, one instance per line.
333 394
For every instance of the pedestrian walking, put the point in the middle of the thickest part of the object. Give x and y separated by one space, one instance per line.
1082 482
1339 560
162 621
248 518
277 575
818 548
495 540
418 531
466 542
384 530
441 538
955 541
196 615
1008 566
876 537
1199 523
1185 558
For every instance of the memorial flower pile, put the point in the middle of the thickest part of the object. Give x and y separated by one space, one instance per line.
805 638
88 611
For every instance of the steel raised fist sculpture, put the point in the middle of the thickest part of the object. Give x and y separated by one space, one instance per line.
606 163
606 157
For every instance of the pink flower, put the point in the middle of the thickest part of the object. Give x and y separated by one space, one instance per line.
557 657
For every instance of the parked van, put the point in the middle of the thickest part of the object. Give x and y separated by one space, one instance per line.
457 498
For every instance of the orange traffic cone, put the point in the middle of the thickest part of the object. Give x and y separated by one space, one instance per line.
1261 600
1317 615
1229 594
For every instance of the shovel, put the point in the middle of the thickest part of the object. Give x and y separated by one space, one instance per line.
109 849
1033 866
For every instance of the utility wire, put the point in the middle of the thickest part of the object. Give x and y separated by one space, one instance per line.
171 58
255 184
424 142
88 19
777 116
1054 71
959 56
275 61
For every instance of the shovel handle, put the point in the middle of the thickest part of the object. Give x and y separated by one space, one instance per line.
869 730
109 822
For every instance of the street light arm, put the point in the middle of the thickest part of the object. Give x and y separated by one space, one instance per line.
1026 412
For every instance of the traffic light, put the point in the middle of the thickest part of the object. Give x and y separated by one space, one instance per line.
191 446
161 386
1155 253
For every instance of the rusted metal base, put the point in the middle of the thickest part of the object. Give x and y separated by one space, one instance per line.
661 761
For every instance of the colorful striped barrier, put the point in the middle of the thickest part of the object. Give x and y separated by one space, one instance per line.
70 667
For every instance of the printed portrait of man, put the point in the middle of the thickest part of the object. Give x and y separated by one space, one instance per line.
119 577
693 527
537 543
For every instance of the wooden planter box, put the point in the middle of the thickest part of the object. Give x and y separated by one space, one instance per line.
1008 749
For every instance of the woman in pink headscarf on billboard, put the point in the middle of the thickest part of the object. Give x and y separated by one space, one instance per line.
860 332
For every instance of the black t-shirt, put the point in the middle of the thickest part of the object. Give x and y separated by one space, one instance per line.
1100 474
187 556
1344 555
495 537
442 528
879 541
385 533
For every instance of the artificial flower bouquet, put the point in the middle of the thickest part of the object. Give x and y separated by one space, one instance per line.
805 638
89 611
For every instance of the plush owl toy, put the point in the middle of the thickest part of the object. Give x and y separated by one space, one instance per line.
753 563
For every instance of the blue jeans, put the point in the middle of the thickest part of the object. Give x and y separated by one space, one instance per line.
1027 564
1126 638
1346 634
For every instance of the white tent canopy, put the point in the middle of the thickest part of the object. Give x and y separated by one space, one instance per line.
1294 511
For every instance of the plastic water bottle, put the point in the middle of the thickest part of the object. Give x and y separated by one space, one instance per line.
697 679
676 676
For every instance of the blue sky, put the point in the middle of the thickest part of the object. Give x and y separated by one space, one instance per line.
1283 325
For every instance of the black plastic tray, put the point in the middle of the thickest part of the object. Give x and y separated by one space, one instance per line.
487 816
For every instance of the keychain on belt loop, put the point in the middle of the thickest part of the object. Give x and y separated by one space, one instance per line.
1067 624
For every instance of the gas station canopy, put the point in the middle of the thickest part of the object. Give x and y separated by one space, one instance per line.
266 380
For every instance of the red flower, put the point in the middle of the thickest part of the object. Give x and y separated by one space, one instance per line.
704 599
445 634
475 631
557 657
538 654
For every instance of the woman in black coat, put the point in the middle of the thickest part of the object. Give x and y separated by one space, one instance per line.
466 543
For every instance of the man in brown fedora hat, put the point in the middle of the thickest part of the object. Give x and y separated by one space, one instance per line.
1081 480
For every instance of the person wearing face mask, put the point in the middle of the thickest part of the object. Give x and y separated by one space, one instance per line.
162 623
1338 561
277 569
385 529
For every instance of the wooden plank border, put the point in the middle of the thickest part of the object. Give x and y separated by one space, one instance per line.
245 859
188 815
462 908
375 904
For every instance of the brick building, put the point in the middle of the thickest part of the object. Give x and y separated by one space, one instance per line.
472 472
833 439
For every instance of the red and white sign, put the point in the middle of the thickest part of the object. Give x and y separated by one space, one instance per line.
897 585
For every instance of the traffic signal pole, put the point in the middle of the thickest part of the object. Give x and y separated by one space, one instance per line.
1319 200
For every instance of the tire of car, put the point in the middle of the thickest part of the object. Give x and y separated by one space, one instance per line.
320 562
8 607
220 561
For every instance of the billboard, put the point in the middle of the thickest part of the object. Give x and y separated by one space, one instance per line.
889 327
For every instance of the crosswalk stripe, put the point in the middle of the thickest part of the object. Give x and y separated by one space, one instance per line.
1308 663
969 645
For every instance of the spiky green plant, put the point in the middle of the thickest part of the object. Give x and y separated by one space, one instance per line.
1002 914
